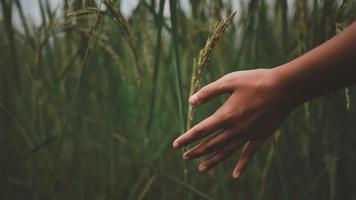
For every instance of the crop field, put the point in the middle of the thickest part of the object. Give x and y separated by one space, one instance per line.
92 97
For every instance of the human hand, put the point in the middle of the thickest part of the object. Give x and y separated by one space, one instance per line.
255 108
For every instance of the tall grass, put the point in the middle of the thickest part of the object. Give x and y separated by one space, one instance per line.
91 100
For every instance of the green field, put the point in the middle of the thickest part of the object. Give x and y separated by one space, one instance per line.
91 100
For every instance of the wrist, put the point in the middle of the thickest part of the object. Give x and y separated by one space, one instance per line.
286 87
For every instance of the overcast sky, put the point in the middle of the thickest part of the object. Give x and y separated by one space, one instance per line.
32 10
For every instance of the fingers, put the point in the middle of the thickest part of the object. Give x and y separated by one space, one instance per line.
220 155
247 154
207 126
210 124
209 145
210 91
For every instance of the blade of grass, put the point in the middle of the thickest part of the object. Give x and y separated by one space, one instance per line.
18 125
159 23
187 186
318 177
174 23
278 162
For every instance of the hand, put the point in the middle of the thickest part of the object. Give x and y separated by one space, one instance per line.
255 108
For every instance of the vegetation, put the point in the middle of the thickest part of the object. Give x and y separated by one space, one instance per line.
91 100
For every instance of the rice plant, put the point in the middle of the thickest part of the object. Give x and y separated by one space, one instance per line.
92 96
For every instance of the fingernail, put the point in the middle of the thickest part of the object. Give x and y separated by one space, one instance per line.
175 144
202 168
236 175
193 99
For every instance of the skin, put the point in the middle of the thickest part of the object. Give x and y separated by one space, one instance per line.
261 99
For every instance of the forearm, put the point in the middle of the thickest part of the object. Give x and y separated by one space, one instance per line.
326 68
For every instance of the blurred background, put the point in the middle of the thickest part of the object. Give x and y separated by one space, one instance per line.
92 94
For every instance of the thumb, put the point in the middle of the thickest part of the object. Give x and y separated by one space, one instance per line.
210 91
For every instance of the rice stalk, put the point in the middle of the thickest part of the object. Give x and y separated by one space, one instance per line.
83 11
159 24
339 29
318 178
121 21
102 43
111 123
42 41
76 90
199 64
147 186
204 56
348 98
265 172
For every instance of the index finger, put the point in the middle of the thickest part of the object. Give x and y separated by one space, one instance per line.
206 127
211 91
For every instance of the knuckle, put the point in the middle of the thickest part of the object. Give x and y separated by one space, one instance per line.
228 151
228 116
198 131
222 86
203 91
196 152
214 160
224 152
228 79
250 155
208 148
242 126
